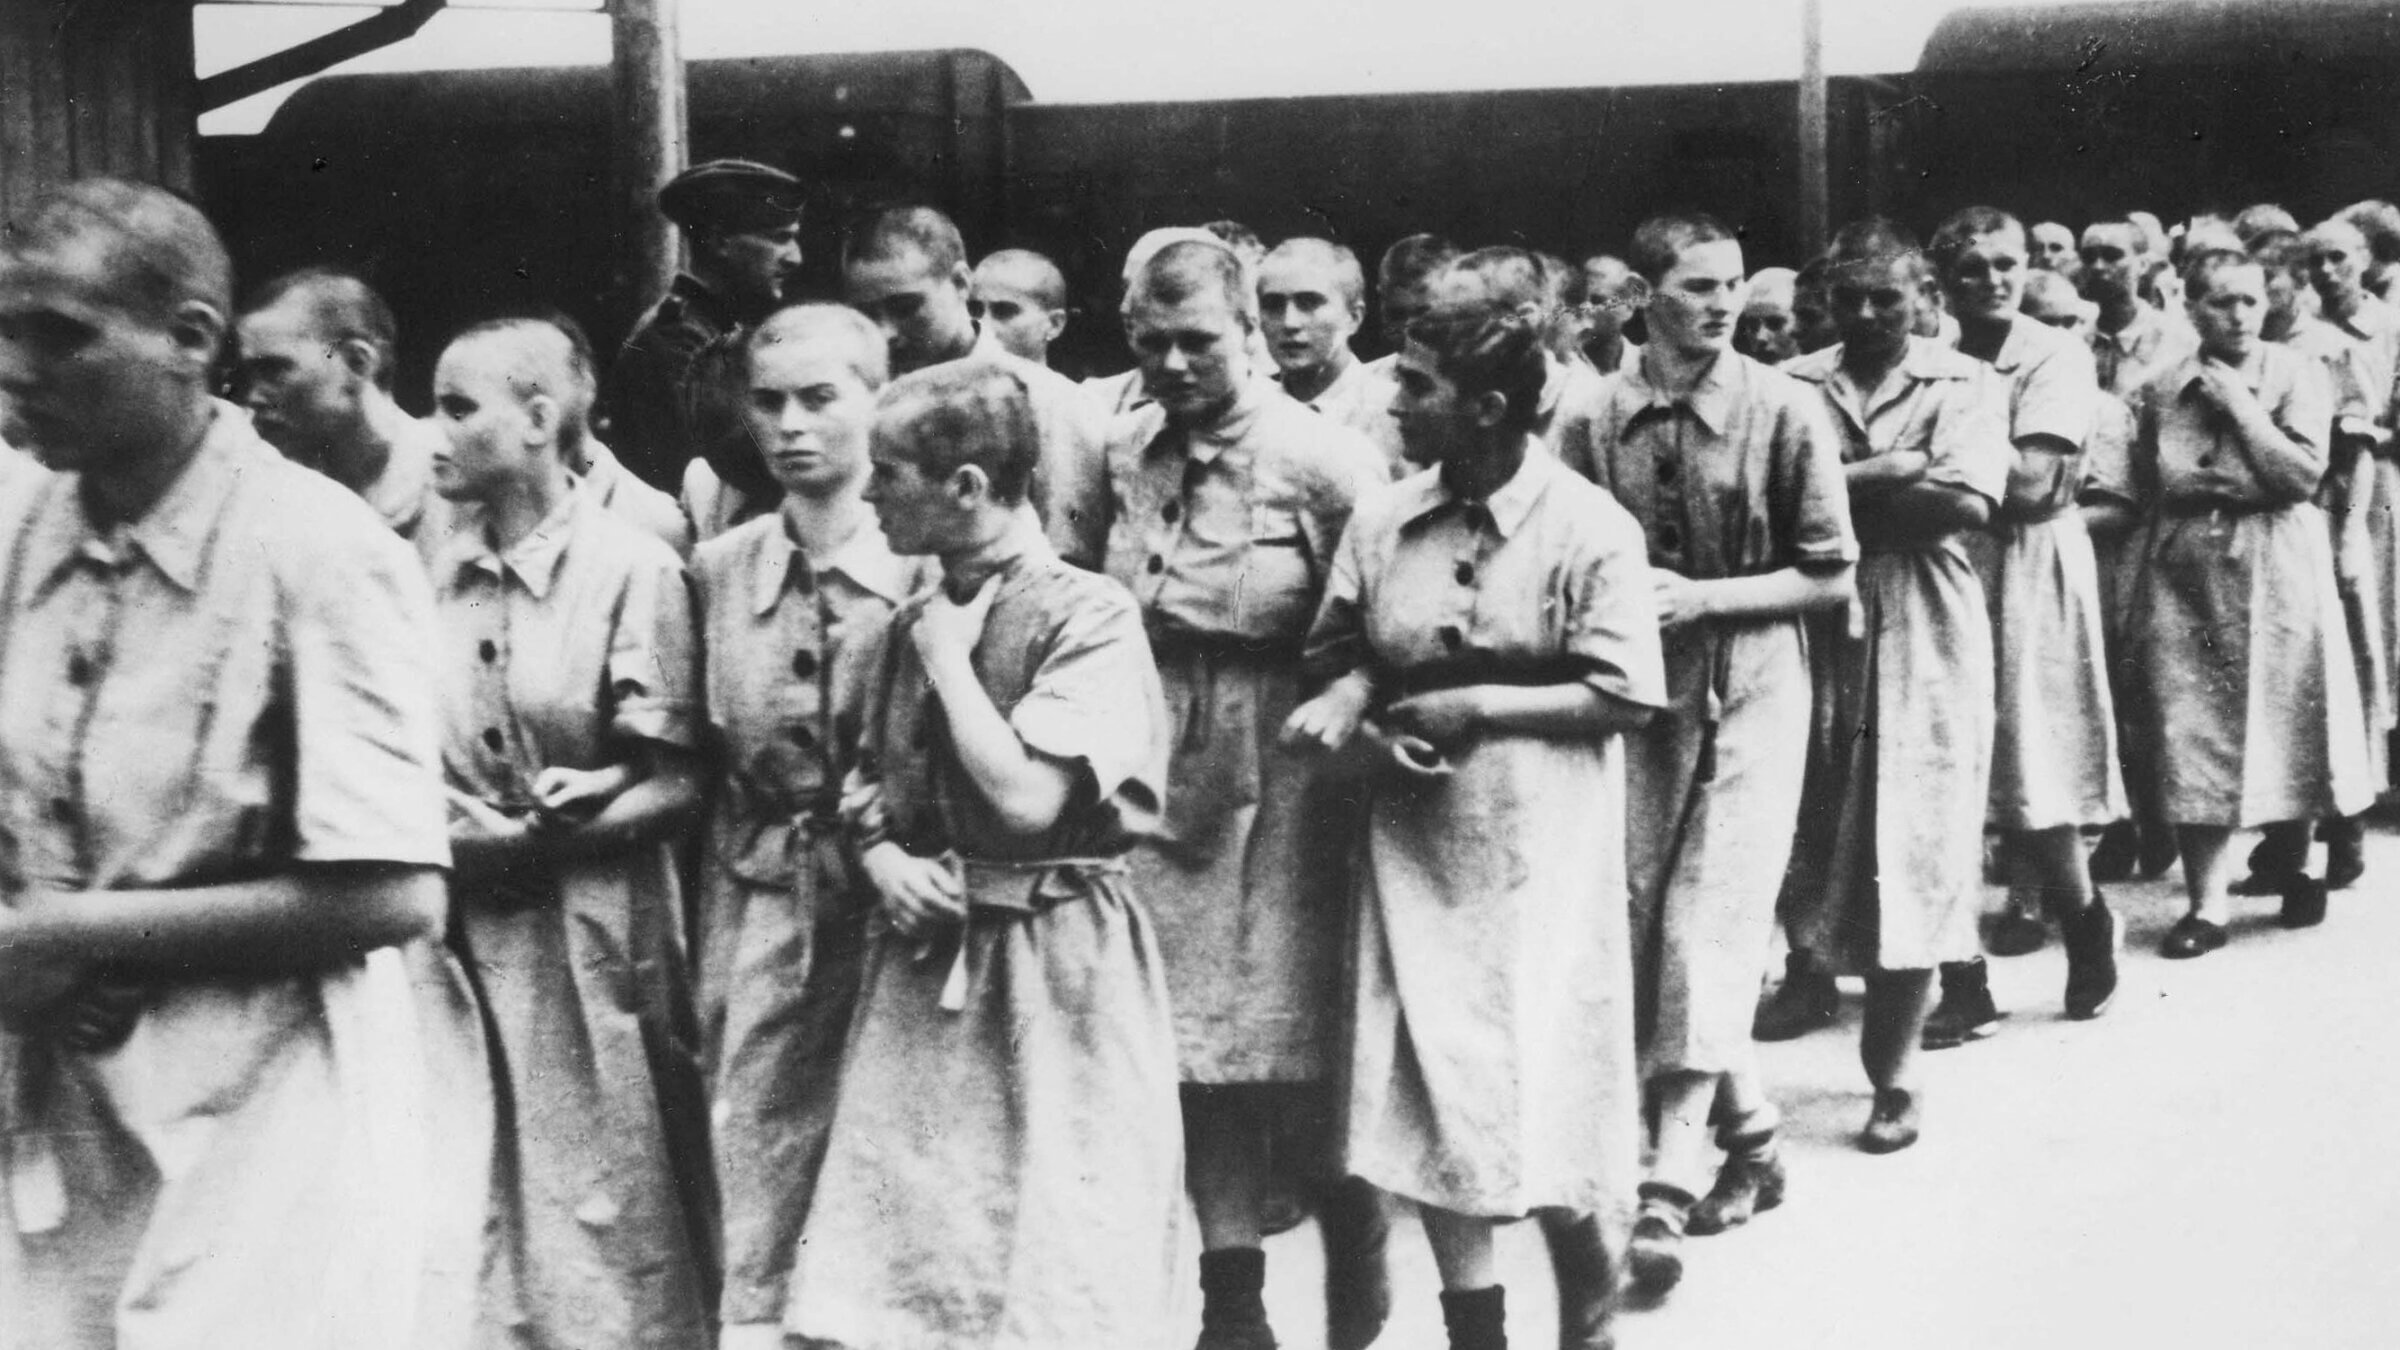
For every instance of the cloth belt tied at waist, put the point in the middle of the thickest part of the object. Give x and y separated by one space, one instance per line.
1032 886
2187 508
1173 639
1400 684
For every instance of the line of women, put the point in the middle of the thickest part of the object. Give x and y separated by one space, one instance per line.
1620 681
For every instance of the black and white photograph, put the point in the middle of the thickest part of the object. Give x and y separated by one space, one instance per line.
1136 675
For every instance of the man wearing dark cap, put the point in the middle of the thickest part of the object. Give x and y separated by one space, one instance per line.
742 222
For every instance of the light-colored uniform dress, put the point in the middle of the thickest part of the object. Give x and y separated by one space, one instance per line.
1740 476
1492 1066
1225 535
565 650
2054 746
2350 496
2121 361
403 493
633 501
791 642
1074 435
231 686
1006 1162
1888 866
2238 628
2375 328
1115 395
1569 385
1360 398
711 506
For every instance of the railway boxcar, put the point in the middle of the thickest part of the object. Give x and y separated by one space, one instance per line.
458 193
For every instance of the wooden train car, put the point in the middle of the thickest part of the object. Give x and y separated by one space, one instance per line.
462 192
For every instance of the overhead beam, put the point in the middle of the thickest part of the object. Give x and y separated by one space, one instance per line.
317 55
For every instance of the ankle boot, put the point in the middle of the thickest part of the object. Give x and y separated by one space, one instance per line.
2345 852
1655 1257
1751 1182
1477 1318
1355 1228
2092 938
1233 1311
2113 857
1966 1011
2280 855
1804 1002
1587 1279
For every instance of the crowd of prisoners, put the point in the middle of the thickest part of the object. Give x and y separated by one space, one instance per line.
822 831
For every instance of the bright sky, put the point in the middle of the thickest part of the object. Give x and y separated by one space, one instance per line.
1129 50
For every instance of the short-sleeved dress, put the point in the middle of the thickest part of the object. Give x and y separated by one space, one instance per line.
1492 1067
2351 496
1739 476
1005 1167
566 650
2374 328
232 685
1360 398
791 642
2054 745
2237 628
1887 870
1225 534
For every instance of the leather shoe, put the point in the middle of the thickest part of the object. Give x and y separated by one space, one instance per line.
1806 1001
2345 857
2092 938
1894 1123
2113 857
2191 936
2303 903
2016 933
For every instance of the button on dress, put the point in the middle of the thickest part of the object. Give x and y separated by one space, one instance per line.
1225 534
1740 476
1492 1065
1887 870
598 1242
232 685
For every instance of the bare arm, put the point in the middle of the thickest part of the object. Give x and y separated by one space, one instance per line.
2033 475
660 789
312 916
2288 466
1777 594
1572 710
1028 790
1942 507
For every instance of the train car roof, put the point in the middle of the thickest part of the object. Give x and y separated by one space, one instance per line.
2123 35
459 101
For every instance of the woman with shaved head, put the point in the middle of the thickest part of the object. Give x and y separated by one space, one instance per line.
220 797
565 644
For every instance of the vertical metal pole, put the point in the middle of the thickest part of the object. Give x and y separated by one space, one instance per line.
1815 227
649 144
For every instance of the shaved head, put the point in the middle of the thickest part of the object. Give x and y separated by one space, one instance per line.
534 358
1181 270
1025 272
852 337
156 251
1340 263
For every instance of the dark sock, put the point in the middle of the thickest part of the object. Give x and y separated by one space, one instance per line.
1477 1318
1232 1282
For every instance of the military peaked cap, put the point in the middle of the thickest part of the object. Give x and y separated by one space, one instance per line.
731 194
